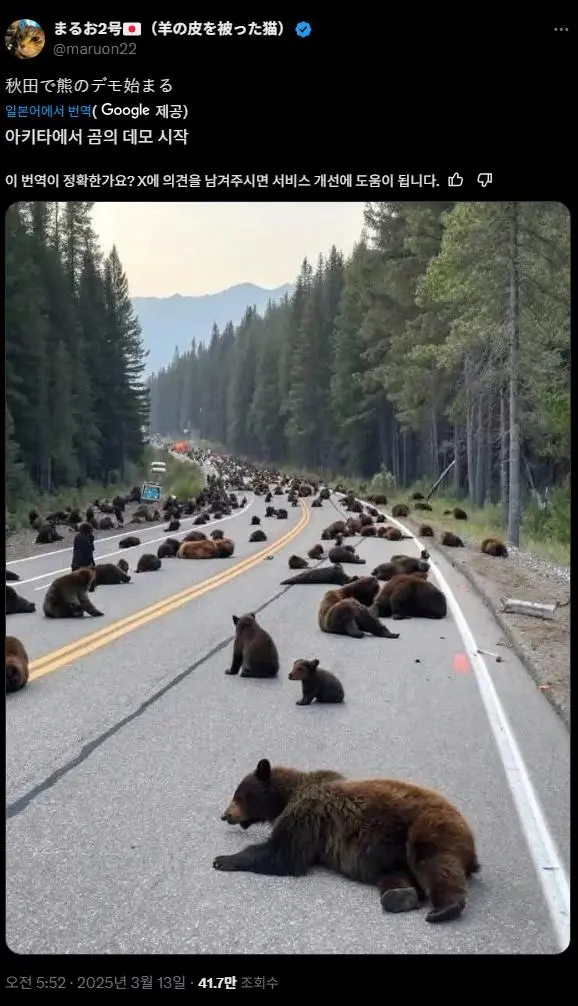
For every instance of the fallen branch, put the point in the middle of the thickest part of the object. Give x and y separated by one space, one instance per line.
535 609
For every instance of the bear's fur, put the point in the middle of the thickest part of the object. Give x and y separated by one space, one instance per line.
257 536
394 534
220 549
493 546
340 553
316 552
131 541
316 683
338 527
426 531
195 536
423 506
410 595
123 564
316 503
255 520
106 524
345 612
17 666
217 534
174 525
408 841
67 596
368 531
417 496
254 652
13 577
282 515
16 604
47 535
296 562
270 511
400 510
321 574
107 574
451 540
401 564
168 549
457 513
148 563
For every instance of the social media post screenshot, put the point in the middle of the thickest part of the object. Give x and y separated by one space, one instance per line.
216 413
250 373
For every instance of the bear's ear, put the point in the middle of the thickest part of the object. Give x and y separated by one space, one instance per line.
263 770
315 663
235 619
252 615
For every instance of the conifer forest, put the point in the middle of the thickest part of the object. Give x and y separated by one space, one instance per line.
76 403
444 335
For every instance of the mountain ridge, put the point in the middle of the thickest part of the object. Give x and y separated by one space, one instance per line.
174 321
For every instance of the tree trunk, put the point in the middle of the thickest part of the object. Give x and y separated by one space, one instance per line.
489 488
514 352
404 459
458 464
480 459
504 473
435 455
469 432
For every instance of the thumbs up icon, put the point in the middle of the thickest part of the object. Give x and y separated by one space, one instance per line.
455 180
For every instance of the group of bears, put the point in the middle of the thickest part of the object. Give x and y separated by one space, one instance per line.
407 840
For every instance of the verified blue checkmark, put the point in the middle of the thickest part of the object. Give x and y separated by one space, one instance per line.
303 29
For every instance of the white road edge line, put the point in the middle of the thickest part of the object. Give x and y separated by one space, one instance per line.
121 551
542 847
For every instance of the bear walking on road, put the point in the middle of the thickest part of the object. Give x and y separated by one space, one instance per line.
409 841
254 652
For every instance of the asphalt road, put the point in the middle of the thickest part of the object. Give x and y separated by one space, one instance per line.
124 750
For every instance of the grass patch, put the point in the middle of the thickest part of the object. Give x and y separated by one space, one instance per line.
183 478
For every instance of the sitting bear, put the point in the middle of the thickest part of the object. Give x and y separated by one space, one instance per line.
258 536
316 552
400 510
255 520
410 596
345 611
296 562
409 841
254 652
426 531
148 563
67 596
316 683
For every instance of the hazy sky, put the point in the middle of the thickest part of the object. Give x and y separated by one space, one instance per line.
197 248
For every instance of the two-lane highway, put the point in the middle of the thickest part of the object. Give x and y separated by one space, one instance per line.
125 748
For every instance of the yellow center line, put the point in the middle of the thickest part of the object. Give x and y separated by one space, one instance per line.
88 644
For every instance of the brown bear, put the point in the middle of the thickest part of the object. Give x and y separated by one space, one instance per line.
417 496
257 536
67 596
426 531
174 525
217 534
148 563
316 552
296 562
345 612
451 540
400 564
106 573
322 574
400 510
47 535
316 683
493 546
457 513
341 553
394 534
423 506
254 652
410 595
195 536
17 666
16 604
131 541
168 549
410 842
197 550
338 527
368 531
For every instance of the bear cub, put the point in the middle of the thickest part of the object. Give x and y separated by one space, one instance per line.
316 683
254 652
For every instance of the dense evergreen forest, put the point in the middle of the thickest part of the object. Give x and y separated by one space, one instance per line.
446 334
76 402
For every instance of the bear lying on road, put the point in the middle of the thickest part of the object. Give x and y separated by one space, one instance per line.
493 546
334 574
148 563
254 652
107 574
401 564
409 841
410 596
16 604
206 549
345 611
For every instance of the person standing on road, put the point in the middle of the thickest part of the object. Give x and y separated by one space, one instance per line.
83 548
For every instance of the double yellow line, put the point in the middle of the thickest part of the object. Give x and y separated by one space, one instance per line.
88 644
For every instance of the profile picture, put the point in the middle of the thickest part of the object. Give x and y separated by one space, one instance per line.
24 39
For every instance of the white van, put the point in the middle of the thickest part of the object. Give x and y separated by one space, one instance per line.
158 468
